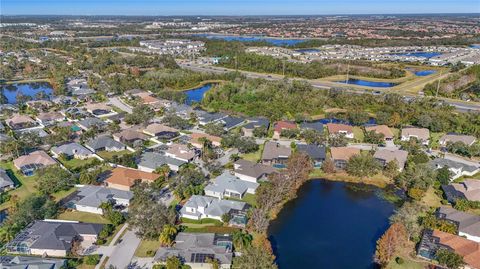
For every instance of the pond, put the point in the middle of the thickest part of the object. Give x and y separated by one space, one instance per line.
367 83
270 40
308 50
424 73
34 91
330 225
420 54
196 95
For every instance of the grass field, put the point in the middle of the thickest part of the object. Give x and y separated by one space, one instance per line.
25 185
73 164
147 248
407 264
109 155
358 133
254 156
83 216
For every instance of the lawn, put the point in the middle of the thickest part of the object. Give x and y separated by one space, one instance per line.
431 199
73 164
434 138
407 264
247 198
147 248
83 216
25 185
254 156
211 229
107 155
358 133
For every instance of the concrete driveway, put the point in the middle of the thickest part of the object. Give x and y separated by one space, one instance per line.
123 252
119 104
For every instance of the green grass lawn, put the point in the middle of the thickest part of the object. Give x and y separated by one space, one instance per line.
73 164
109 155
83 216
147 248
247 198
407 264
254 156
25 185
434 138
358 133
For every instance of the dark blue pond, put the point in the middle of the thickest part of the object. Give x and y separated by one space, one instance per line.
270 40
330 225
366 83
420 54
424 73
32 90
475 46
196 95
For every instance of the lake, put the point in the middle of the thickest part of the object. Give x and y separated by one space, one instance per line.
196 95
307 50
29 89
330 225
367 83
420 54
270 40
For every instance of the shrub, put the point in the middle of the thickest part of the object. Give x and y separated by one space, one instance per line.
92 259
399 260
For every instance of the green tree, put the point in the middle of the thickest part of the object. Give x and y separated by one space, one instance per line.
362 165
167 236
254 258
449 259
444 175
53 179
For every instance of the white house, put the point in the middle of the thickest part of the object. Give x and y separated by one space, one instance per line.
202 207
228 185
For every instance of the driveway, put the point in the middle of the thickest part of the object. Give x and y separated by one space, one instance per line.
119 104
123 252
226 157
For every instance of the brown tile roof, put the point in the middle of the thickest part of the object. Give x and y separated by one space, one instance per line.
343 153
156 128
128 176
421 133
46 116
181 151
196 136
18 118
36 157
147 98
130 134
392 154
470 188
274 150
469 250
334 128
280 125
467 139
381 129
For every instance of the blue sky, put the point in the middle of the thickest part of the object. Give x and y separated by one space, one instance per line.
235 7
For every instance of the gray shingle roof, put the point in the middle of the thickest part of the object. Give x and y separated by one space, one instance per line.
5 180
315 152
227 181
467 223
441 162
94 196
71 149
315 125
22 262
104 142
257 122
251 169
156 159
273 150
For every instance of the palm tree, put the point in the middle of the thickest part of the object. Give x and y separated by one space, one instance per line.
163 170
241 240
167 234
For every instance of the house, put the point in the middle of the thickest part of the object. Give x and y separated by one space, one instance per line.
53 238
206 117
18 121
72 151
457 169
33 161
196 249
149 161
27 262
385 156
230 122
160 131
89 198
79 87
129 136
2 128
100 110
274 153
195 140
180 152
336 129
341 155
279 126
201 207
6 183
104 143
313 125
255 123
50 118
317 153
89 123
381 129
453 138
434 240
250 171
469 189
228 185
468 225
122 178
421 134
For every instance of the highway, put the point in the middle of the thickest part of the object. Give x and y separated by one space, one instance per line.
460 105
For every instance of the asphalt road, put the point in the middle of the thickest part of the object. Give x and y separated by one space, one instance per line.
459 105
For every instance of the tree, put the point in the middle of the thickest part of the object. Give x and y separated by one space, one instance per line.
215 264
212 128
443 175
147 214
254 258
173 262
241 240
449 259
362 165
373 137
140 114
391 169
189 181
408 215
53 179
92 259
312 137
163 170
167 235
226 218
328 166
394 238
260 131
